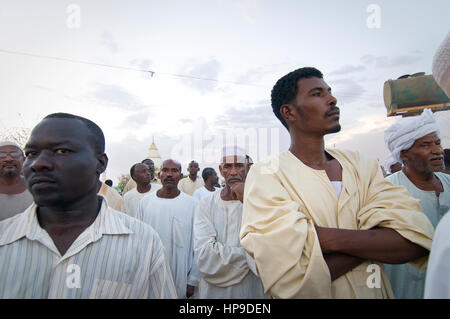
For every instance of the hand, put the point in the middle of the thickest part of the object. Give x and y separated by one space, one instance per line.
189 291
237 190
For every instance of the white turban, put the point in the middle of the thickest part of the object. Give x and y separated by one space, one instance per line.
9 143
389 162
402 135
441 65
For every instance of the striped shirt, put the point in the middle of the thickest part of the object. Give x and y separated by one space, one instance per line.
117 256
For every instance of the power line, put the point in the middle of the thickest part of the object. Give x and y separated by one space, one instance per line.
184 76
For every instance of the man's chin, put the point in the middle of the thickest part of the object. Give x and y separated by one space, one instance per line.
335 129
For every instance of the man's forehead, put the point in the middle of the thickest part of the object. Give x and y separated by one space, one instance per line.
171 164
307 84
429 137
59 130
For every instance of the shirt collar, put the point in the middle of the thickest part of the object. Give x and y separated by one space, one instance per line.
26 224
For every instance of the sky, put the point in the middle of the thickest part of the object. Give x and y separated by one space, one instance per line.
196 74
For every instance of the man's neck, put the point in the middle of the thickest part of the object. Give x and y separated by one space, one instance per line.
143 188
227 195
12 184
427 181
309 150
210 187
193 178
168 192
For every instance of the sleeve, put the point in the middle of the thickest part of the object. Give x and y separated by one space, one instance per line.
194 272
161 281
437 283
282 240
219 264
384 204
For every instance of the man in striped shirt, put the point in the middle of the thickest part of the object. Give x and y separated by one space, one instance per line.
70 243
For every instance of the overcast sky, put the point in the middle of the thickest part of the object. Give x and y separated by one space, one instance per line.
236 49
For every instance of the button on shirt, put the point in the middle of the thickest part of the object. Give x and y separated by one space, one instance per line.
115 257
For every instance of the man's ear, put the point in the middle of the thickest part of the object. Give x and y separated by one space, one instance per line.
181 174
102 163
404 156
288 112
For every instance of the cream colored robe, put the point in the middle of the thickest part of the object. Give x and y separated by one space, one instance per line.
284 199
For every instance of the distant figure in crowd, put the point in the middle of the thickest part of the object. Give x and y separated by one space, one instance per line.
70 243
132 184
447 161
437 283
317 221
415 141
210 179
141 174
14 196
171 213
392 165
111 195
227 271
109 182
189 184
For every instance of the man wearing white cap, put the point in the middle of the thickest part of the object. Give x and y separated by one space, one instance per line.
14 196
416 143
227 271
321 222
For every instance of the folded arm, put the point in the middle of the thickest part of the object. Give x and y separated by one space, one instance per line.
379 244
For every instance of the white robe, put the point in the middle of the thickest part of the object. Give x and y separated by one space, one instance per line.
173 221
132 198
227 270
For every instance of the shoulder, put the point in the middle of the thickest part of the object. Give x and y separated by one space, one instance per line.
443 177
394 178
139 229
188 198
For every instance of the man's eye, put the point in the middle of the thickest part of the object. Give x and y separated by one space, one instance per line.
62 151
30 153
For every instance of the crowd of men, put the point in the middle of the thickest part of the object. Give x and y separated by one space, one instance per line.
310 222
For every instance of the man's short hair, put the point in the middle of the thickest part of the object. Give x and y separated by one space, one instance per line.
147 159
133 168
207 172
109 182
98 141
447 157
286 88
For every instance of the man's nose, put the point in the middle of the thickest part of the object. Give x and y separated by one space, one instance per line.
40 162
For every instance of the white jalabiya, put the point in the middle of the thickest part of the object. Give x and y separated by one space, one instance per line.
202 192
115 257
132 198
283 202
173 220
227 271
437 284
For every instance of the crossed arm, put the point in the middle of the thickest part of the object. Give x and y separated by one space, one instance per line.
345 249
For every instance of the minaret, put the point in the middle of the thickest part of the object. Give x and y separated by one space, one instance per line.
154 155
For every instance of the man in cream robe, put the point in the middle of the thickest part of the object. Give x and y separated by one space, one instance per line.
320 222
227 271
